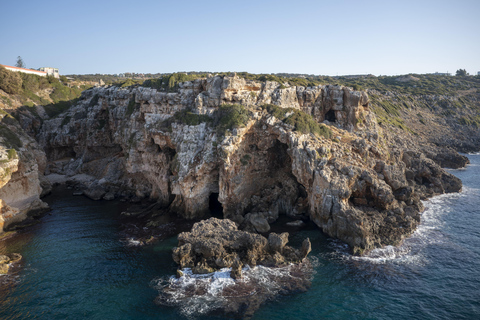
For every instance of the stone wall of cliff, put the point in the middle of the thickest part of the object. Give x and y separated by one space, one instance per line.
353 185
21 174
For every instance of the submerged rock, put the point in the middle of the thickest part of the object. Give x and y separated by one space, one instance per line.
214 244
7 260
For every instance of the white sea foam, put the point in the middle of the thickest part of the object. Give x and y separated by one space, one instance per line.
131 242
411 251
197 294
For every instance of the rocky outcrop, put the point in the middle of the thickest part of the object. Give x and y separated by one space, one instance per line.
355 184
214 244
21 174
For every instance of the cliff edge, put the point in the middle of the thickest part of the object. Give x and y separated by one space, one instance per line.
249 151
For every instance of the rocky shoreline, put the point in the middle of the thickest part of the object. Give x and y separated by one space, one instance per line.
311 153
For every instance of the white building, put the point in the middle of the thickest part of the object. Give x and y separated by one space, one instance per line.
51 71
30 71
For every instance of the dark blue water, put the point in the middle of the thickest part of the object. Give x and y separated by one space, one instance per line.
76 267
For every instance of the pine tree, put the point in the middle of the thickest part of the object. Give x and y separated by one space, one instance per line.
20 63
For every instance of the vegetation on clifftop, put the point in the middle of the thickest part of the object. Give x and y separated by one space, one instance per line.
225 118
301 121
29 89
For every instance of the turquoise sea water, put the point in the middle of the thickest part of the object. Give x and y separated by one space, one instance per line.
75 266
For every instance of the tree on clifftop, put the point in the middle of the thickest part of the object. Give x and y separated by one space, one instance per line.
461 73
20 63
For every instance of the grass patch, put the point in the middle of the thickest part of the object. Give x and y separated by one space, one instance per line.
12 154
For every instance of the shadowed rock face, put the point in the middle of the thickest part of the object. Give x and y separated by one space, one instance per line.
214 244
353 185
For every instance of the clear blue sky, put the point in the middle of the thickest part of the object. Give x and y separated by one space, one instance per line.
331 37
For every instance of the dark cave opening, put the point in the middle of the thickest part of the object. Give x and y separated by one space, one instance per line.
215 207
330 116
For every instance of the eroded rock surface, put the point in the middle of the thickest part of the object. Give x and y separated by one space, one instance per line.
6 261
214 244
356 185
21 174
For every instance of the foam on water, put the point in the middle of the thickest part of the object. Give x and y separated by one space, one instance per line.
199 294
131 242
429 232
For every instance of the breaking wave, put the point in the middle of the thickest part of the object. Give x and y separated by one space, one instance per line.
200 294
411 250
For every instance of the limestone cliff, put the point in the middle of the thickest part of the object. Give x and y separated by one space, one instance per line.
21 172
178 149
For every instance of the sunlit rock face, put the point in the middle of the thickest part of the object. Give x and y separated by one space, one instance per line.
21 175
139 143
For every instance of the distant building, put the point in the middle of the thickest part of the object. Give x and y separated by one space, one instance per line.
51 71
478 73
29 71
441 74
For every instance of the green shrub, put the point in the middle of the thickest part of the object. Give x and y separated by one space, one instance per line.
55 109
190 118
301 121
128 83
63 93
12 154
230 116
170 82
10 81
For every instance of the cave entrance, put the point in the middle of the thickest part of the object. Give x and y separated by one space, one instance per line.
215 207
330 116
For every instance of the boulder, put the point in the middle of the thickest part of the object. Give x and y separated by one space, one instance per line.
214 244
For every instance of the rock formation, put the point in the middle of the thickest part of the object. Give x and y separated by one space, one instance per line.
21 174
167 146
214 244
7 260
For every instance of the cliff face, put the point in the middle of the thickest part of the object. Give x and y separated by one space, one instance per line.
138 142
21 172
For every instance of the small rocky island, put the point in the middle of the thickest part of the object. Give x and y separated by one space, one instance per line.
232 272
214 244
